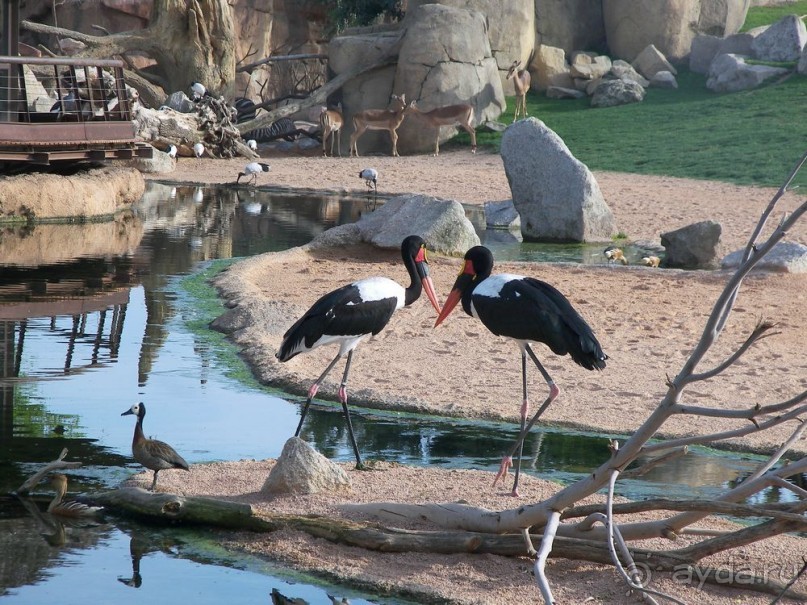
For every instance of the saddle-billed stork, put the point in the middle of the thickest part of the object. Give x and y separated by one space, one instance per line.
526 310
353 312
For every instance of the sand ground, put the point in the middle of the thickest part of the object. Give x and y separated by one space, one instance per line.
648 322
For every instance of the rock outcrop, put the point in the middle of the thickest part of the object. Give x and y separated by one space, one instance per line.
555 194
695 246
300 469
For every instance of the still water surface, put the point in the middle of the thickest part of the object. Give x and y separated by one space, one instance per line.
140 335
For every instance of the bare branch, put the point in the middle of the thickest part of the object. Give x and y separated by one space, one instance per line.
793 415
725 301
57 464
650 465
760 332
277 59
792 581
747 414
774 458
750 247
550 530
774 511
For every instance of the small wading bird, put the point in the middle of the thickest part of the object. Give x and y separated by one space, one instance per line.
370 176
68 508
153 454
651 261
353 312
612 253
252 170
198 150
172 151
252 144
526 310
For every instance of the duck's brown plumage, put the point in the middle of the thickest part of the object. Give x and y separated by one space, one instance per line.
151 453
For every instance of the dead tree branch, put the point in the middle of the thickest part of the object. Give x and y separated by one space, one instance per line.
34 480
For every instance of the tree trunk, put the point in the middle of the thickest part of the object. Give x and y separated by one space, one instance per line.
191 40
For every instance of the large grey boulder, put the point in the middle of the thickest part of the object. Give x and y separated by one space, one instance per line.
663 79
300 469
651 61
784 257
442 223
695 246
631 25
730 73
701 53
705 48
611 93
555 194
445 59
511 29
502 215
782 41
549 68
802 66
179 101
570 24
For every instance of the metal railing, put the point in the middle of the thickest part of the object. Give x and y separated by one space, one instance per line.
41 90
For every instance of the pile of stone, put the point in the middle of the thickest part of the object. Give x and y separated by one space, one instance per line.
607 82
726 60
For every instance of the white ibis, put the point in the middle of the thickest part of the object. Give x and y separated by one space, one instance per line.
153 454
353 312
172 151
252 144
525 310
252 170
370 176
198 150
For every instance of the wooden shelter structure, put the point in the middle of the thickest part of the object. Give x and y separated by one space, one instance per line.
61 109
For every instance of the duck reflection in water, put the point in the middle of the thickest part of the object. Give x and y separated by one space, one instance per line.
68 508
278 598
138 546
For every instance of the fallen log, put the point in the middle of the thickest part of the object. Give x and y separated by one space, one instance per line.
198 510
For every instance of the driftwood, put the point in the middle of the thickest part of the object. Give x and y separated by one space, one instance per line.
196 510
33 481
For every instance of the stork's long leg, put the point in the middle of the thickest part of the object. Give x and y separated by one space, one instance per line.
313 391
507 461
343 399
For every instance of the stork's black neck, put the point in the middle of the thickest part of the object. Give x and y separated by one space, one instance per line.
415 288
481 260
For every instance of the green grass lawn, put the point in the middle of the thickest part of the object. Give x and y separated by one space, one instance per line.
753 137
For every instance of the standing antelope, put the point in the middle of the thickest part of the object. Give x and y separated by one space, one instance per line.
331 121
380 119
521 81
461 115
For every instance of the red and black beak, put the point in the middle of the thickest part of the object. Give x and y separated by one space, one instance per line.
464 281
422 266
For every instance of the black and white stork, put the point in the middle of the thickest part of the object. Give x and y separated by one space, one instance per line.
526 310
351 313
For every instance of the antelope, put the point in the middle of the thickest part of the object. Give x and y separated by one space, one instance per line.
380 119
461 115
521 81
331 121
